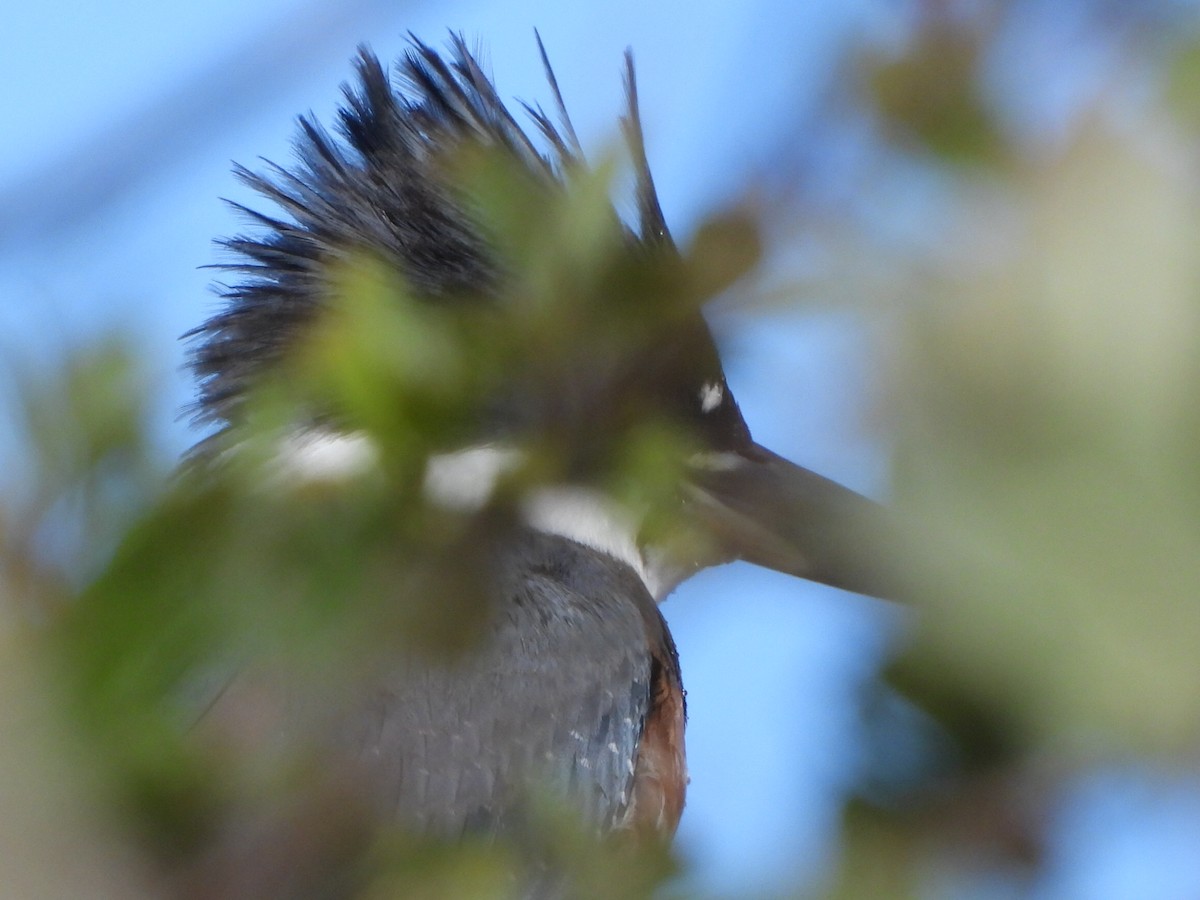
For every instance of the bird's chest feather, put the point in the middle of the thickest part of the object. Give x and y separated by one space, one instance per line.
576 689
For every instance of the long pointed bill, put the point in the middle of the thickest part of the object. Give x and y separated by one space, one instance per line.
771 512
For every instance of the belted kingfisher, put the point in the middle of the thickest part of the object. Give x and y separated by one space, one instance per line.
577 682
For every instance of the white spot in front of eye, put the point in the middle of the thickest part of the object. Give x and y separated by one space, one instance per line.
711 395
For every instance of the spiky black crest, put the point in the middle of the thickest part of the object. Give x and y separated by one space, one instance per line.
382 189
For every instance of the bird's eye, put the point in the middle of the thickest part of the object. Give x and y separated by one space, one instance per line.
712 394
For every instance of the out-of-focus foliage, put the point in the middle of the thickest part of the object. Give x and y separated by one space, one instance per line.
1042 380
86 472
929 97
1049 431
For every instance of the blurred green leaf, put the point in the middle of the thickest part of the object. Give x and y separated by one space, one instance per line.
1040 445
930 93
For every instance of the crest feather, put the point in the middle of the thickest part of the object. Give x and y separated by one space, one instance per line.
379 186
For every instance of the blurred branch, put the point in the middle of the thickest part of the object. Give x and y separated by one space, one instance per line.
59 836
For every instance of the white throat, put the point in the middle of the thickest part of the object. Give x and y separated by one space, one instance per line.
588 517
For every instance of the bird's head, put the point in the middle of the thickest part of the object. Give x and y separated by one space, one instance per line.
439 194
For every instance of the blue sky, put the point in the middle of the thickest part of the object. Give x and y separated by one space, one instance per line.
772 665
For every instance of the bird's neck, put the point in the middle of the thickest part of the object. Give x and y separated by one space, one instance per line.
584 514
